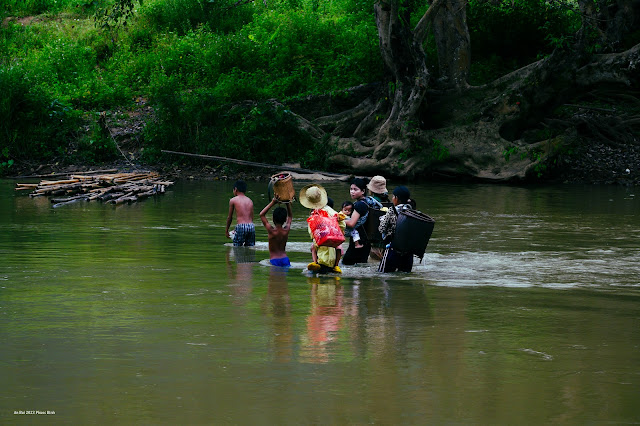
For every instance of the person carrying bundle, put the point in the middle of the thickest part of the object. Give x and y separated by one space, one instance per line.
278 233
326 228
354 254
378 202
393 259
378 194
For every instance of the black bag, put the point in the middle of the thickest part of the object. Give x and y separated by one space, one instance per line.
413 231
373 222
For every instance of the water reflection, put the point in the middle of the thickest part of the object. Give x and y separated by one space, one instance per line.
277 306
239 263
324 320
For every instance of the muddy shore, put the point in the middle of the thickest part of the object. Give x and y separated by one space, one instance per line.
596 163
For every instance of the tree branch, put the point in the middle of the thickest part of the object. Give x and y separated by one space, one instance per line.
420 31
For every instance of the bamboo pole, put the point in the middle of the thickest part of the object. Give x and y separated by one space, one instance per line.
52 175
251 163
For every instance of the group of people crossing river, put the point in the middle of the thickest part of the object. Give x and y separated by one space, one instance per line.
369 222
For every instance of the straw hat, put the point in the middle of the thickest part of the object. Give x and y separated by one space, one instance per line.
378 185
313 196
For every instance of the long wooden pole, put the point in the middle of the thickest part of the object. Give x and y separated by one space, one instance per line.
252 163
90 172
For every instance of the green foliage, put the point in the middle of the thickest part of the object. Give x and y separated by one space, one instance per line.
534 155
435 153
32 124
260 132
508 34
36 7
115 15
541 167
95 146
193 58
5 161
507 153
32 7
182 16
439 152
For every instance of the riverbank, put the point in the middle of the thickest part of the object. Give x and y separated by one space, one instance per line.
171 171
600 163
597 164
592 162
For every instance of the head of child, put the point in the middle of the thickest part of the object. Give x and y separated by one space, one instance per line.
401 195
279 216
239 187
347 208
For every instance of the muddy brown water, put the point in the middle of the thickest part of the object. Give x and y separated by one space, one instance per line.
524 310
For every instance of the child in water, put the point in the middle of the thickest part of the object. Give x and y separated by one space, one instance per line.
278 233
347 210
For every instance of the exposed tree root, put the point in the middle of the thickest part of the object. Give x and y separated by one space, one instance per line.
469 131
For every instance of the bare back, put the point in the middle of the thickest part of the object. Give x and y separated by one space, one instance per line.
278 236
243 207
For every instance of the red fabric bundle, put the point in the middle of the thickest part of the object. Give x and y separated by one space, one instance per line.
325 229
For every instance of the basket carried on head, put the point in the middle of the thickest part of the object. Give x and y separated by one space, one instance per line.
282 185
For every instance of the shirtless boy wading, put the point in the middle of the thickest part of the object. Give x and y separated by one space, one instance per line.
245 232
278 233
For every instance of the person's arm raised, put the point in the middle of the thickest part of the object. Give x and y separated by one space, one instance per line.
263 213
289 216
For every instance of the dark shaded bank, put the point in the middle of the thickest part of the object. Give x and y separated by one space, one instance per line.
587 160
590 163
188 170
600 163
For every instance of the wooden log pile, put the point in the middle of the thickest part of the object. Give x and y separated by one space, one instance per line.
117 188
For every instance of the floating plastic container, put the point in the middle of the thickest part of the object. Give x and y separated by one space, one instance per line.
413 231
282 186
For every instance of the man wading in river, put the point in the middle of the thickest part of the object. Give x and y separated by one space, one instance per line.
245 232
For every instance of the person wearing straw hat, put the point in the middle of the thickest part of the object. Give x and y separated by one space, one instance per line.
325 259
378 199
377 187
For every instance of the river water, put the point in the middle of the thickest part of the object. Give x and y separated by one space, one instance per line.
524 310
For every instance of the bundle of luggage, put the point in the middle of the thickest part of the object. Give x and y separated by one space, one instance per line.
413 229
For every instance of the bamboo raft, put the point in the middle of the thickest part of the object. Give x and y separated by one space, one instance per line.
117 188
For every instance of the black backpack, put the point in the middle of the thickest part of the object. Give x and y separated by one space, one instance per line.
373 222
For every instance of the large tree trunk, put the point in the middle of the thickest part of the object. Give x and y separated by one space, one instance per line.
453 44
403 55
499 131
385 132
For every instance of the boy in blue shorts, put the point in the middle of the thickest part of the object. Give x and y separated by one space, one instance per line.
278 232
245 232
